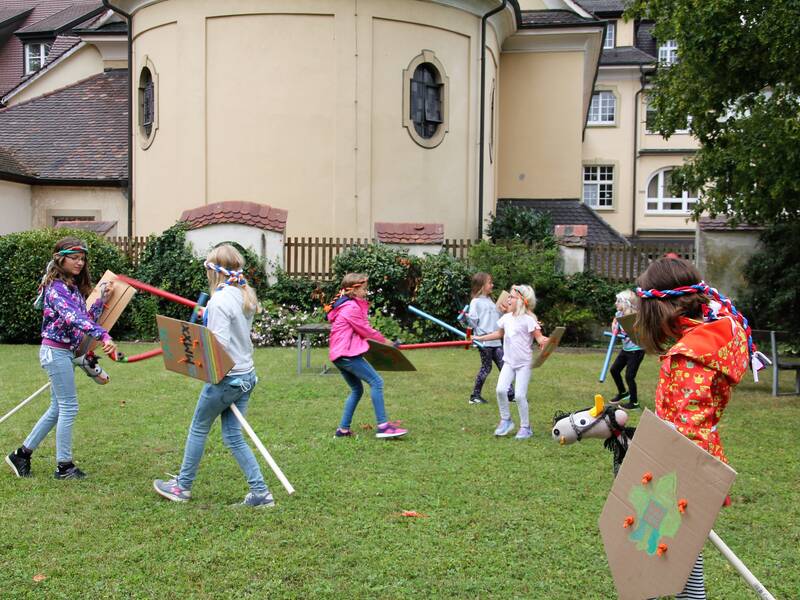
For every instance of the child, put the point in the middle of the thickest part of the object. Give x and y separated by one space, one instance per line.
65 322
629 358
482 317
350 330
698 372
229 315
516 328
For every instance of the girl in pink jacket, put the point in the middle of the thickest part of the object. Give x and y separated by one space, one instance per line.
350 330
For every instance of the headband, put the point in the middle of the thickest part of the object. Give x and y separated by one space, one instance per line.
73 250
234 277
515 288
342 292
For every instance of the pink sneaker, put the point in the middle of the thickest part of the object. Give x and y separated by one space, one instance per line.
390 429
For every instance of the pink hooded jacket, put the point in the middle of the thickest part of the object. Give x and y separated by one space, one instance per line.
350 328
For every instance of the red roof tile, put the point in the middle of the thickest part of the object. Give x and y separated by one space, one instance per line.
409 233
723 224
258 215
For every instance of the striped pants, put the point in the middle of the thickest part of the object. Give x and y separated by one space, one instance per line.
695 588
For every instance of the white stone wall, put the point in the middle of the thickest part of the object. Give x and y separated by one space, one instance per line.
266 244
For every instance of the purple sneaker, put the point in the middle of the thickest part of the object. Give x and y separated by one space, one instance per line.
171 490
390 429
342 433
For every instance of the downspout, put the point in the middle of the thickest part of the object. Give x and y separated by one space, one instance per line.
129 21
482 133
635 146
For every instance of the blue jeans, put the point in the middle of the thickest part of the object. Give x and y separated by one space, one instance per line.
354 369
215 400
63 402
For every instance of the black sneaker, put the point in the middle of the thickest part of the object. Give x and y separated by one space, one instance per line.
477 400
69 472
623 397
631 405
20 463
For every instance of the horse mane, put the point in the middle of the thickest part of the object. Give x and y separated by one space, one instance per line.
613 443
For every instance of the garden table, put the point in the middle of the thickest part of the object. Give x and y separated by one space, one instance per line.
309 330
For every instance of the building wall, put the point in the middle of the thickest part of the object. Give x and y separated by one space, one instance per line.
15 205
104 204
266 244
83 63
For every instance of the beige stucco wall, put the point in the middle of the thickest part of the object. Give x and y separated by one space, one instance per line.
15 206
654 224
80 64
541 124
104 204
299 104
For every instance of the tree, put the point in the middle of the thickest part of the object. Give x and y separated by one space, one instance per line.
738 76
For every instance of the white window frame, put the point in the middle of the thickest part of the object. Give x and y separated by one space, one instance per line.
661 200
41 55
668 52
597 106
600 179
610 41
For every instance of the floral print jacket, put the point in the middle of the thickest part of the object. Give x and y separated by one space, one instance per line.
65 318
696 378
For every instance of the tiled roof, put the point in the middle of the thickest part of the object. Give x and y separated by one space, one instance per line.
722 224
79 132
409 233
103 25
552 18
98 227
645 41
7 15
625 55
573 212
262 216
603 8
10 164
61 20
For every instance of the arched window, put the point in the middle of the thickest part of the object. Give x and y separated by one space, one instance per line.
147 105
661 200
425 93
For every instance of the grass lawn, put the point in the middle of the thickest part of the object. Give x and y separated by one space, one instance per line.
504 519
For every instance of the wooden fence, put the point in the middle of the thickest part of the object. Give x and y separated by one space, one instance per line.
622 263
133 247
313 257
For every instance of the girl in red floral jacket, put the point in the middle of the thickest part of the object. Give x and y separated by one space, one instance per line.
710 355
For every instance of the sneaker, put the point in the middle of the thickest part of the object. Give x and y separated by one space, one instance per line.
524 433
504 428
511 396
258 500
342 433
390 429
20 463
477 400
171 490
69 471
631 405
621 397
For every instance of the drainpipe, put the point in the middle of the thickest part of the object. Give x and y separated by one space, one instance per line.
635 144
481 135
129 20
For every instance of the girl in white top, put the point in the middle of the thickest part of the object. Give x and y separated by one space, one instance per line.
517 328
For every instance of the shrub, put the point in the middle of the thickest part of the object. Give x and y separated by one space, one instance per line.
521 224
442 292
277 325
300 292
23 259
517 263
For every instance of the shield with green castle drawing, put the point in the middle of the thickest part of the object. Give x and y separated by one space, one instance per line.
650 544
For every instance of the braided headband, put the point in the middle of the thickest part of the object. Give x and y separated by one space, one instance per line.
514 288
346 290
234 277
707 290
72 250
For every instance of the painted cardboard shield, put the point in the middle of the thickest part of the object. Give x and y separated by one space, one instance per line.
121 295
385 357
662 471
192 350
627 323
549 347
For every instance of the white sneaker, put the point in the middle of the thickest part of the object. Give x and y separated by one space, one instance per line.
504 428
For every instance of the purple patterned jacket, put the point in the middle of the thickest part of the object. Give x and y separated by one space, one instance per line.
65 319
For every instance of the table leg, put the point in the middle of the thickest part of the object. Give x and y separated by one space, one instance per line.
299 353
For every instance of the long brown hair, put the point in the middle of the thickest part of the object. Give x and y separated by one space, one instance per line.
479 281
55 268
657 320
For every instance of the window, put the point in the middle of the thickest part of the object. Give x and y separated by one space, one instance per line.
603 109
649 123
147 104
668 52
659 196
611 35
425 100
35 55
66 218
598 186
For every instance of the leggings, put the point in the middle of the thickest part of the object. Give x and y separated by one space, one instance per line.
489 354
631 358
695 588
508 375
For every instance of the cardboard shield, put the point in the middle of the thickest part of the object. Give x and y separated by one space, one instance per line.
549 347
385 357
627 323
668 493
192 350
121 295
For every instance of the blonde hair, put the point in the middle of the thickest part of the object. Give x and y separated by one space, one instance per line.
528 300
230 259
628 300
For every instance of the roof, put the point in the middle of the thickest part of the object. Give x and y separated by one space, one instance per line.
70 16
75 133
625 55
603 8
722 224
570 211
10 164
9 15
258 215
645 40
532 19
409 233
114 23
98 227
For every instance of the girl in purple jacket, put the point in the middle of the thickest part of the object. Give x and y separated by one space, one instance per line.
65 322
350 330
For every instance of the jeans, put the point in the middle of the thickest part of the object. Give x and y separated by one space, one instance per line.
354 369
215 400
63 403
520 378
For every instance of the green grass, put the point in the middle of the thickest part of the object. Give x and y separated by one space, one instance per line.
505 519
